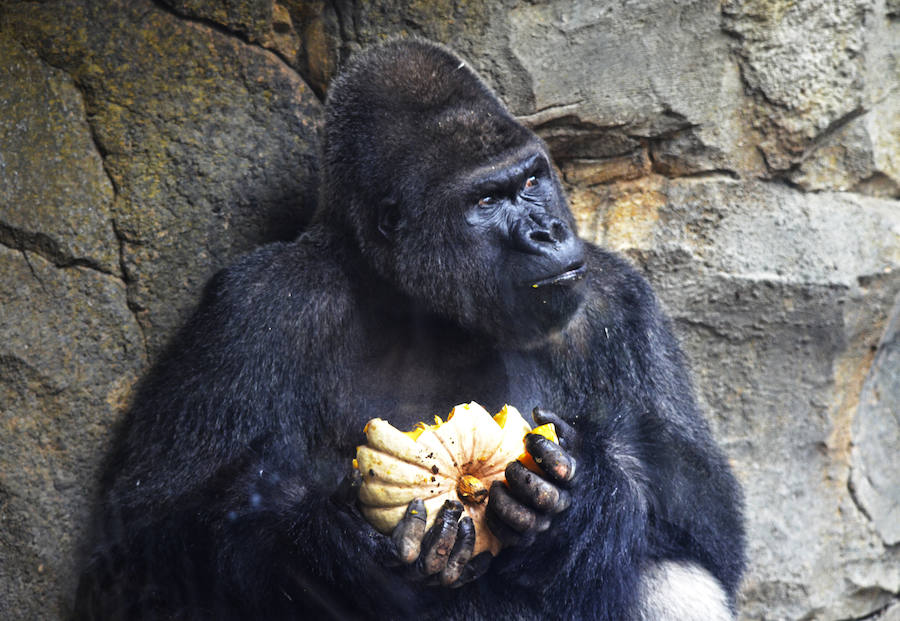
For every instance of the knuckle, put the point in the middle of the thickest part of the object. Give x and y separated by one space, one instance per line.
542 523
552 458
545 497
540 447
530 488
441 538
436 558
563 502
408 542
500 530
408 534
451 572
516 515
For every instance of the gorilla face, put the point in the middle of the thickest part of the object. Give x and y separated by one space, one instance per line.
492 247
520 225
451 199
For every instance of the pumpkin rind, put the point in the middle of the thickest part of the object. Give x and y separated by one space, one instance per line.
437 463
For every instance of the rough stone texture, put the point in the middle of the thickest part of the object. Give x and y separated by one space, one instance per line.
70 349
265 22
803 62
890 614
876 435
55 193
210 143
744 154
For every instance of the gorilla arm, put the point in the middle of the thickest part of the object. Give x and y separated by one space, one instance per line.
694 501
650 485
228 459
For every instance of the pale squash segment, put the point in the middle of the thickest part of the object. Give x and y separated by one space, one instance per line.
456 459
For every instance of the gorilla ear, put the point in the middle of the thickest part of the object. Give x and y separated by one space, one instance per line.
390 220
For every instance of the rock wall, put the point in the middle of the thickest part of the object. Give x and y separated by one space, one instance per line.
745 155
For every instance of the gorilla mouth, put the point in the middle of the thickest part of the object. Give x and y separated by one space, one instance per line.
573 273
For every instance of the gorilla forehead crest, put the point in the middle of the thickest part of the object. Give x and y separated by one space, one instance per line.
414 103
475 135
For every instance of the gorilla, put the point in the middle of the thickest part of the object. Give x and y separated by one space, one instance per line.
442 266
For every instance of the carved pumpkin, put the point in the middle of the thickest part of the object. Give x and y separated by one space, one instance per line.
456 459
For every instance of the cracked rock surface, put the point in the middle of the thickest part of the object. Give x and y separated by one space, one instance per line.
744 154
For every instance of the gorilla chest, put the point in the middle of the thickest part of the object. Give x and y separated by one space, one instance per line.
410 382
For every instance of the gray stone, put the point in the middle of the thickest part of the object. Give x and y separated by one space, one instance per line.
812 66
856 156
211 143
768 232
605 67
876 437
55 194
890 614
70 350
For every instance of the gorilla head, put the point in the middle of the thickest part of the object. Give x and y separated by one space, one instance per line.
450 199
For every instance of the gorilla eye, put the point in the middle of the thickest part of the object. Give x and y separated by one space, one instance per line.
531 182
485 201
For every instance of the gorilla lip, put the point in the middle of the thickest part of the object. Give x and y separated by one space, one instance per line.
573 273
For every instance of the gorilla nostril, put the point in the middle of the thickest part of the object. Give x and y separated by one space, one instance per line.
558 230
540 235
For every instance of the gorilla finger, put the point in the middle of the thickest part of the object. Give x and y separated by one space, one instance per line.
474 569
440 539
348 489
512 512
408 533
542 523
534 490
564 430
551 457
461 552
501 531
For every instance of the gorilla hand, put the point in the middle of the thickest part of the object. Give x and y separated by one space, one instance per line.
515 513
441 555
444 553
523 507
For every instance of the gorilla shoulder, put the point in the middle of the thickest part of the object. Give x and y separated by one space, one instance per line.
277 289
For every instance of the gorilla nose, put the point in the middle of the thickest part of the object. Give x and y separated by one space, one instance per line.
558 254
540 232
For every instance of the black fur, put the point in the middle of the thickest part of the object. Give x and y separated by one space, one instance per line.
401 300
